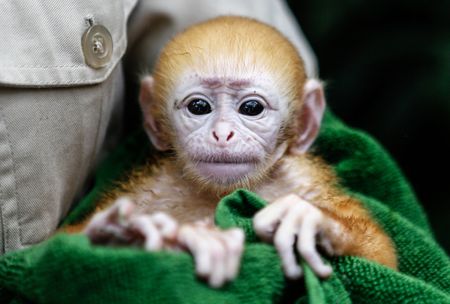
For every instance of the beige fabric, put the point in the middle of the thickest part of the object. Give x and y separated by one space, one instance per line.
57 114
51 138
41 40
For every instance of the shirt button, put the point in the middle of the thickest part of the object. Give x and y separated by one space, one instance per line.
97 46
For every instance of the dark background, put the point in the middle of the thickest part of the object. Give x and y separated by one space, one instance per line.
387 69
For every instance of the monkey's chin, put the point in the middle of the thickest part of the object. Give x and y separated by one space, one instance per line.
225 174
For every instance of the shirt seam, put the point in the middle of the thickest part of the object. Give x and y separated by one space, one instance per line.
25 66
7 242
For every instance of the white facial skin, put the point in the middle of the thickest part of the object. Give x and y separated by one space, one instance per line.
224 142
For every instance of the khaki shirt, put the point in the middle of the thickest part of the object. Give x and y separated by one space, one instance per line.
60 111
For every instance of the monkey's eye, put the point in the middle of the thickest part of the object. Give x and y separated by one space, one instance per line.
199 107
251 108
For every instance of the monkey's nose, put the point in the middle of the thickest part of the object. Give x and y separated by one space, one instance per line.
223 137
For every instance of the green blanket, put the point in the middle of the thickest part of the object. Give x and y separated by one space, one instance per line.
67 269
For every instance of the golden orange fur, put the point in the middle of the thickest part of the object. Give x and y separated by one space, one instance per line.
207 45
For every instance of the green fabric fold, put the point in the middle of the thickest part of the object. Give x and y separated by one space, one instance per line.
68 269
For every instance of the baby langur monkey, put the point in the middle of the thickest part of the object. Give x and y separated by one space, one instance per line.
229 98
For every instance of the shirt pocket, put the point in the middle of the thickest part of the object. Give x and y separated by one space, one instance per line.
42 41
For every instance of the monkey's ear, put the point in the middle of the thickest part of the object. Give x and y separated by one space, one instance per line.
310 117
151 126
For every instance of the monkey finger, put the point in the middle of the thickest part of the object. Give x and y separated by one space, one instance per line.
325 243
198 247
284 243
100 232
112 215
121 210
265 222
109 225
218 276
306 246
236 249
144 226
94 226
205 222
218 255
233 240
165 224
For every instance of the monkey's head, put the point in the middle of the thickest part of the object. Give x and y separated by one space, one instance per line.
230 97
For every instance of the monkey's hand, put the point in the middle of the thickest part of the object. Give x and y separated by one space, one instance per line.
217 253
122 224
291 220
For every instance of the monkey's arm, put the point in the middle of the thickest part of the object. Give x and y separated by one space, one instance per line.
340 228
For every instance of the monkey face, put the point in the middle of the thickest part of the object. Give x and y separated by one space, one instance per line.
227 129
226 100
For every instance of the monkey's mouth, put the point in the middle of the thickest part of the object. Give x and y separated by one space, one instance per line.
225 171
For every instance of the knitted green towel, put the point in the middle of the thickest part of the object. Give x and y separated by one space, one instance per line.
67 269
